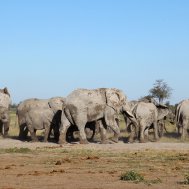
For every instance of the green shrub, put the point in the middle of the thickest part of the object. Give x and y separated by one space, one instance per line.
132 176
186 181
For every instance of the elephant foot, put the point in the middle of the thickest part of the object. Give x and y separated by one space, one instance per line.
182 136
5 136
130 141
84 141
115 139
156 139
142 141
105 142
62 142
35 140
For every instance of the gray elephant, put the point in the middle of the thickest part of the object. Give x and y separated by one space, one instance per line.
44 107
147 115
182 118
5 101
84 105
40 118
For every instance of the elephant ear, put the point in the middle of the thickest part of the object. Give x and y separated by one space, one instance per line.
113 99
56 103
163 111
5 100
6 91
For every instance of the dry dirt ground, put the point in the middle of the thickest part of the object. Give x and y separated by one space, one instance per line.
26 165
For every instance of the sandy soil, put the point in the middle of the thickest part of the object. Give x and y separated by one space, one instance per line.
121 146
92 166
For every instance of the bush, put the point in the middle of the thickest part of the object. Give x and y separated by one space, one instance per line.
132 176
186 181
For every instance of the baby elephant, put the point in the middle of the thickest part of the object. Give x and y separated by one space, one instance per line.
38 119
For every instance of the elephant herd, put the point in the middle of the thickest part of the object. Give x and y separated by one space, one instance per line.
89 111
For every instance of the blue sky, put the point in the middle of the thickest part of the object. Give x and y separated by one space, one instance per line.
49 48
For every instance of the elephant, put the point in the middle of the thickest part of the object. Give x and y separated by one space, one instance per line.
85 105
39 118
148 115
5 101
4 121
26 110
182 118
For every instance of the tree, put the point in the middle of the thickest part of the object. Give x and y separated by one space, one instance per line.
161 90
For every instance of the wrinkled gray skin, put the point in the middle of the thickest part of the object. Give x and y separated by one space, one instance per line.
84 105
5 102
41 108
182 118
148 114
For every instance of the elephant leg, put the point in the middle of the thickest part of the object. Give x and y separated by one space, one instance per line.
142 128
179 130
102 130
161 127
80 121
47 131
184 129
32 133
63 131
82 135
132 134
110 120
156 136
1 128
64 126
146 133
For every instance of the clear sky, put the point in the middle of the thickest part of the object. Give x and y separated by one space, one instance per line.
51 47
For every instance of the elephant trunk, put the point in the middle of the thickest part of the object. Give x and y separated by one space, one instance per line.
6 129
134 129
116 131
127 114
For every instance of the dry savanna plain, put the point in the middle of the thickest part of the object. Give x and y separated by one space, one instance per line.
27 165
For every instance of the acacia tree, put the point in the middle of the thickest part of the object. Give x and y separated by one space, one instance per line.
161 90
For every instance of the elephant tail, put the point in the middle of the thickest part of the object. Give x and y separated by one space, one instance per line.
17 118
20 118
68 115
177 117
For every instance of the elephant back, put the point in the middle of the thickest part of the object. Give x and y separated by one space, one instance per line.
182 109
86 96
